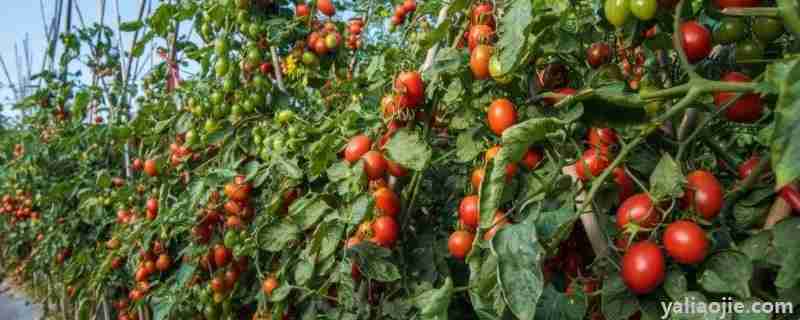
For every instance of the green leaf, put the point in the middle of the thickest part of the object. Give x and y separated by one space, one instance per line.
274 238
184 274
667 180
373 261
757 247
162 309
617 301
308 210
675 283
131 26
515 28
785 241
516 141
727 272
785 147
608 106
359 208
409 150
519 273
554 226
555 305
433 303
161 19
468 148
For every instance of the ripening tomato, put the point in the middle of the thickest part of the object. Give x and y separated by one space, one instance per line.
163 263
222 255
722 4
326 7
767 29
151 168
357 147
511 168
395 169
730 30
469 211
643 9
460 243
138 165
598 54
409 6
410 85
479 61
385 231
501 115
374 164
269 285
152 204
301 10
532 158
477 178
498 222
616 12
747 109
643 267
386 201
638 210
625 187
591 164
479 34
746 168
703 193
602 137
685 242
482 15
696 41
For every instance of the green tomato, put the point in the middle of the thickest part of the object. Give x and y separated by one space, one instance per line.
211 311
616 12
221 46
254 31
222 67
644 9
211 126
256 100
748 50
495 69
248 106
191 137
217 98
237 110
254 56
767 29
221 111
293 131
231 239
207 31
230 84
277 143
309 58
242 17
730 30
285 116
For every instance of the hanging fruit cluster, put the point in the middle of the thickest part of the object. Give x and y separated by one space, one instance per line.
354 29
402 11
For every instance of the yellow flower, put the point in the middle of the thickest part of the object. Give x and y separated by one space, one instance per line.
291 65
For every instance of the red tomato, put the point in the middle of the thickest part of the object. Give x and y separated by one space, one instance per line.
696 41
357 147
625 185
643 267
395 169
591 164
532 158
301 10
469 211
745 168
511 168
374 165
482 15
686 242
501 115
722 4
326 7
598 54
386 201
385 230
410 85
479 61
602 137
222 255
479 34
498 223
792 197
410 6
151 168
703 193
460 243
639 210
745 110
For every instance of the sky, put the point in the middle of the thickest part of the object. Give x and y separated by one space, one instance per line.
24 17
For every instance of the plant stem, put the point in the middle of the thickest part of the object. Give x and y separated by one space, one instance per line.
729 161
751 12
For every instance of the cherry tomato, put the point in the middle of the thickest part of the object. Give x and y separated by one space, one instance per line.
745 110
385 230
479 61
685 242
469 211
598 54
616 12
591 164
386 201
301 10
643 9
722 4
703 193
532 158
410 85
357 147
501 115
767 29
696 41
477 178
326 7
395 169
792 197
482 15
479 34
639 210
748 50
745 168
730 30
602 137
625 186
643 267
374 164
460 243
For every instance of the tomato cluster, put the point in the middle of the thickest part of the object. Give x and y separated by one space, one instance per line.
354 28
402 10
